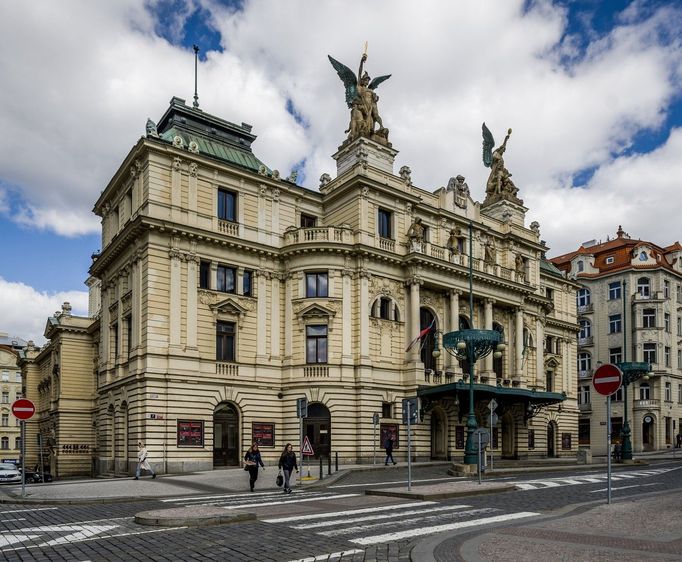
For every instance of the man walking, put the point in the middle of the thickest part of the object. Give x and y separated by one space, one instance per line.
142 462
388 445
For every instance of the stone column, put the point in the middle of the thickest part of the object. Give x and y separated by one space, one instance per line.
414 317
347 318
275 322
288 318
192 288
363 279
488 320
262 277
518 357
192 193
175 305
454 326
176 189
540 348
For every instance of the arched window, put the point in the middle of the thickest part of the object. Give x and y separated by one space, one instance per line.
581 266
583 297
584 362
386 309
585 329
643 286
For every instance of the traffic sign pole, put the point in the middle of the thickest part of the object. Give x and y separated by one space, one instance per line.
608 449
23 458
606 380
409 448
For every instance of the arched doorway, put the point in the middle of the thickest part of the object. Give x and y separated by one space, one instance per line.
226 435
648 433
439 435
428 344
551 439
508 436
318 427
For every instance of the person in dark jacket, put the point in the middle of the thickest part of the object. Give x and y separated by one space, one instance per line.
287 463
388 445
251 462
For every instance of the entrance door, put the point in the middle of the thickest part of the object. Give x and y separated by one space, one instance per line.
551 440
226 436
318 427
648 433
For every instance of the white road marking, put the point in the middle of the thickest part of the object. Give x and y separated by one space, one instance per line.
317 498
625 487
30 510
364 528
82 532
7 539
10 520
425 511
255 499
331 556
590 478
397 482
226 496
389 537
308 517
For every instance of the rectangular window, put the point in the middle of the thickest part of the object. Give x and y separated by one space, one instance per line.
679 327
226 279
644 391
5 376
385 308
247 285
308 221
615 324
615 355
316 344
225 341
668 392
18 377
649 318
384 223
650 353
679 360
666 289
666 322
666 354
583 432
316 285
227 205
549 293
584 394
386 410
5 420
618 396
679 396
117 343
5 397
614 290
205 274
129 334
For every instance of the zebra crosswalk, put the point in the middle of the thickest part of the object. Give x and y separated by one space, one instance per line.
254 500
592 478
388 523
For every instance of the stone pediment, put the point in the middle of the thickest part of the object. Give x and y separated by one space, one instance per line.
551 363
316 310
235 307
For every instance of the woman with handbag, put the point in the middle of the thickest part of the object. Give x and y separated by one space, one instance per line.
251 462
287 463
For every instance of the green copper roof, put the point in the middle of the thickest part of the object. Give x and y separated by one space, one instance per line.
549 267
490 391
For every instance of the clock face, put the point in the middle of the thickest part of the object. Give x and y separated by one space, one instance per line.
642 256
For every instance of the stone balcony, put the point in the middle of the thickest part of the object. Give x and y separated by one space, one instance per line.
647 404
585 375
586 342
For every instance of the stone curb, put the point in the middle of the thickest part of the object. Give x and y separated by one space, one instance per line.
426 496
191 517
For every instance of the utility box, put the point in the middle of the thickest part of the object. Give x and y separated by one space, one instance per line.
584 456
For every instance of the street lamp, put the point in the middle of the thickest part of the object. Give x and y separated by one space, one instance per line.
471 345
632 371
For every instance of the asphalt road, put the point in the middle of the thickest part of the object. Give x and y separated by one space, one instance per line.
338 523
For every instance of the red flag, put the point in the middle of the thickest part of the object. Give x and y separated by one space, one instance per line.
421 335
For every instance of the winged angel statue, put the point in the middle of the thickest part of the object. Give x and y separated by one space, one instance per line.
362 101
499 185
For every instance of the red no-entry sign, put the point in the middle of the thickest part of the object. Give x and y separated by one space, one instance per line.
607 379
23 409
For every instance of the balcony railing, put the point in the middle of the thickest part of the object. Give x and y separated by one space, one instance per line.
318 234
316 371
586 407
585 374
585 308
387 244
228 227
648 403
585 342
227 369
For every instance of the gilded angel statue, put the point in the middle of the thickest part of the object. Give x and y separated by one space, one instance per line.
362 101
499 181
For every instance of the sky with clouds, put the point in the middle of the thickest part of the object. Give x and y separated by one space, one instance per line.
590 88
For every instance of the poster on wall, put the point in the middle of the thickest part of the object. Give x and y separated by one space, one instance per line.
459 437
566 441
389 430
190 433
263 433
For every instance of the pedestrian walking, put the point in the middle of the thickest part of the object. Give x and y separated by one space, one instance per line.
678 444
388 445
142 462
287 463
252 461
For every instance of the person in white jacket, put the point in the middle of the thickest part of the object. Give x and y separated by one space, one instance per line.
142 463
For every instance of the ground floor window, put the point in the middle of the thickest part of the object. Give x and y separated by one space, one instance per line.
584 432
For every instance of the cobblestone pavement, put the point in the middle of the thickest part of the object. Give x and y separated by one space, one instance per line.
337 523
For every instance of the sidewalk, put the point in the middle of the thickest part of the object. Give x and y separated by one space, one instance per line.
633 530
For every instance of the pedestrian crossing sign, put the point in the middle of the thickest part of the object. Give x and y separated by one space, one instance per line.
307 448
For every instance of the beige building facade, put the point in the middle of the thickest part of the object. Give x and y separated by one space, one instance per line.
11 389
629 309
224 292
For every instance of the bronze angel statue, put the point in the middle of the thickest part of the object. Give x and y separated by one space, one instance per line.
499 183
362 101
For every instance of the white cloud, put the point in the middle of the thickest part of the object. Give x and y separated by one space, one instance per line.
92 73
25 310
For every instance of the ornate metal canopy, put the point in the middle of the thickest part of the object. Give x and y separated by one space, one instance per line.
471 344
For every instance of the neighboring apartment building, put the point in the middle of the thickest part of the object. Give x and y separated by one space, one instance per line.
224 292
10 387
631 291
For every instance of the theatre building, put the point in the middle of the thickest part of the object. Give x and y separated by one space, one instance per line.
224 292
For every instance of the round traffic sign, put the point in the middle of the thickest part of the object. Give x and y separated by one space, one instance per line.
23 409
607 379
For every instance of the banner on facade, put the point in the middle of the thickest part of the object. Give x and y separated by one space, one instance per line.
263 433
190 433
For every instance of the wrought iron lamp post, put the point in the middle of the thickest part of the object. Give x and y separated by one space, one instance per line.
632 371
471 345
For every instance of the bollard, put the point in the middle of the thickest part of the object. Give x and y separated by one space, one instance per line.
336 459
329 465
321 475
